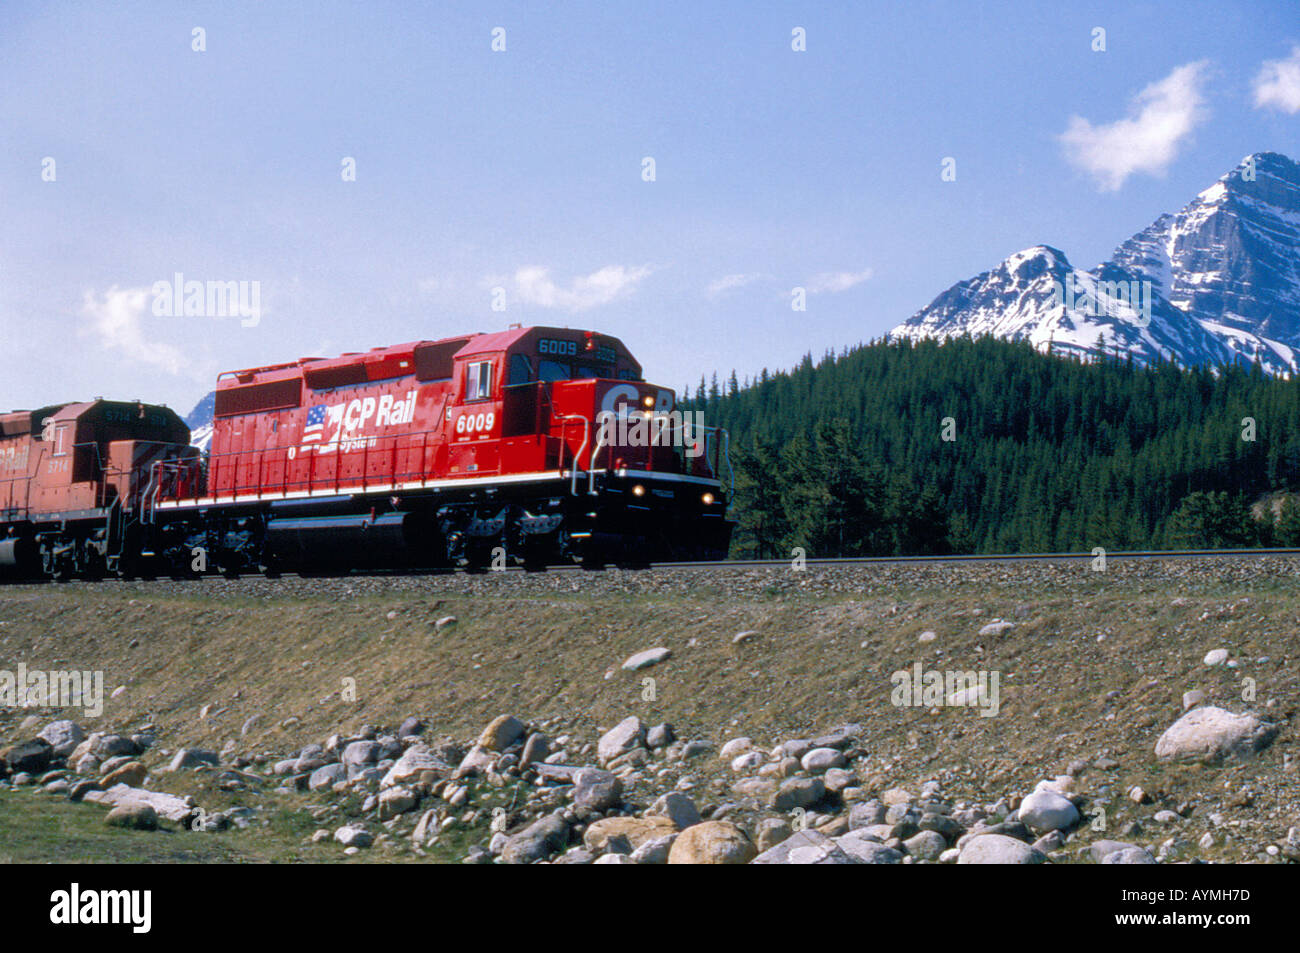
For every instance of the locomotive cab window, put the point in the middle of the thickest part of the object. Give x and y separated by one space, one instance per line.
478 380
521 370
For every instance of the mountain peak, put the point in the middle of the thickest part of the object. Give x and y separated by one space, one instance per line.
1217 281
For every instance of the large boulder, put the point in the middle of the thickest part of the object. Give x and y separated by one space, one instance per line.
31 757
1045 811
678 808
1211 735
63 736
637 830
327 776
131 774
537 841
623 737
500 733
596 790
133 815
193 758
864 849
805 847
412 765
798 792
998 849
712 842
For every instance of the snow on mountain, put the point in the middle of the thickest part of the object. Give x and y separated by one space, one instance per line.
199 420
1218 281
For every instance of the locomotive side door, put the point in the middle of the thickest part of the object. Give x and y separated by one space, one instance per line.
474 426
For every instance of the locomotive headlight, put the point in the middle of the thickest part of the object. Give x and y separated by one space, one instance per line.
638 490
707 499
647 401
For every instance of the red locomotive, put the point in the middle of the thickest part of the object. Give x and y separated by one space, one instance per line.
532 445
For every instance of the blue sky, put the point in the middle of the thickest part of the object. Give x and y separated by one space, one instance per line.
523 169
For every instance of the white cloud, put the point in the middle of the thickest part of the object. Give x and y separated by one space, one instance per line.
836 281
1278 83
730 283
117 318
1160 119
533 285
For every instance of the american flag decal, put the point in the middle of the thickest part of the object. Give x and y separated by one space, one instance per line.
315 428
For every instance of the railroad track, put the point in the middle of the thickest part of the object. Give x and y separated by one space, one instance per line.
740 565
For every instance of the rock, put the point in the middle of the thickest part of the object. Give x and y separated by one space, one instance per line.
596 790
536 748
660 736
1193 698
1045 811
805 847
741 637
837 779
500 733
678 808
30 757
412 765
192 758
395 801
646 658
327 776
926 845
654 851
926 636
866 813
820 760
623 737
998 849
634 830
428 824
772 831
614 859
864 850
797 792
477 760
410 727
1052 840
1129 856
105 746
132 774
62 736
1211 735
996 627
734 747
712 842
169 806
82 788
1216 657
537 841
133 815
445 622
1099 849
360 752
353 835
747 762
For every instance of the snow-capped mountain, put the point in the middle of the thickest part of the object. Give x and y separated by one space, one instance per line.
199 421
1218 281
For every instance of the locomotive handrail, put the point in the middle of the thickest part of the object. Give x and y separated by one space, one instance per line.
577 459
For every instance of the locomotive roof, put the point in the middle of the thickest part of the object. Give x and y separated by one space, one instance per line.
475 343
29 421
